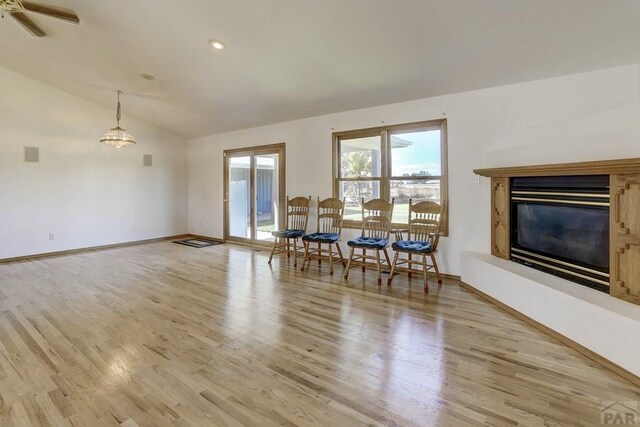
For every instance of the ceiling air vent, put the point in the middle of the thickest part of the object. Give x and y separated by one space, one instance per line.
31 154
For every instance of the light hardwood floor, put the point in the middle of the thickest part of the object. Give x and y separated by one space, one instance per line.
164 334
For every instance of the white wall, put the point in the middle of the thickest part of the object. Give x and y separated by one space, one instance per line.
588 116
86 193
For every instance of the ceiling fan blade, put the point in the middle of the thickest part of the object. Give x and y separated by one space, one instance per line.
28 24
50 11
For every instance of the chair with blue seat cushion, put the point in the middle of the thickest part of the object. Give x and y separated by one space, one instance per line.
422 241
329 220
368 242
288 234
376 226
412 246
297 218
322 237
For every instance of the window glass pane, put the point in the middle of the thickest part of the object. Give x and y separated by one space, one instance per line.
416 153
240 197
353 192
360 157
267 197
418 191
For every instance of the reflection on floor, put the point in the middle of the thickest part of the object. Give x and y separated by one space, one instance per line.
164 334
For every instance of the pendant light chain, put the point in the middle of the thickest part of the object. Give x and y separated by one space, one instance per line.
119 111
118 137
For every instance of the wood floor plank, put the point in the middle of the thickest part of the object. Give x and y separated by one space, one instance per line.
164 334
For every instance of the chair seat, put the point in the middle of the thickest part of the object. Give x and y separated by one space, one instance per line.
368 243
288 234
321 237
412 246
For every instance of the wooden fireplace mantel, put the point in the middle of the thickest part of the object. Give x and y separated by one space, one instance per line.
624 214
602 167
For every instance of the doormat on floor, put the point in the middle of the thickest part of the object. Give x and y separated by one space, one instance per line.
197 243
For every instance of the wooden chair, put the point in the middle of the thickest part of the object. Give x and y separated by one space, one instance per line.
422 241
376 226
328 232
297 218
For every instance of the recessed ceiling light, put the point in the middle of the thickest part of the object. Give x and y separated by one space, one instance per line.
147 76
217 44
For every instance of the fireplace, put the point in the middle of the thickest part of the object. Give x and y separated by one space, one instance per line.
560 224
554 219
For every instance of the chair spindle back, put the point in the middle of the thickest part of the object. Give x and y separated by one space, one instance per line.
298 213
424 222
330 214
376 218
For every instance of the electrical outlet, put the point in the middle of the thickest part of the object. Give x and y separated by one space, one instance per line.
200 224
476 179
51 236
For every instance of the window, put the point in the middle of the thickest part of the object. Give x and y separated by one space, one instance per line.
402 162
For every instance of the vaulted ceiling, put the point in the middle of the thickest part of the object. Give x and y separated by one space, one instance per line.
289 59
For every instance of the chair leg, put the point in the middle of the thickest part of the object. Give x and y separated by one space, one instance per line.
424 273
364 259
386 255
319 254
393 268
273 250
346 271
435 267
379 267
409 266
295 252
331 259
288 248
344 264
306 254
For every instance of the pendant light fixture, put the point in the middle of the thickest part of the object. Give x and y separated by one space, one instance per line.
118 137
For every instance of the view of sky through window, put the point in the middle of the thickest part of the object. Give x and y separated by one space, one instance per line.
422 154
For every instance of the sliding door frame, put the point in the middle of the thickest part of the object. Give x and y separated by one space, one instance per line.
252 152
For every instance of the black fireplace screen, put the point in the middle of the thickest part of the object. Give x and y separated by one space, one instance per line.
573 233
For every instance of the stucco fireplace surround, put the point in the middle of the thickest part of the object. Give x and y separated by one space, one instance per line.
602 319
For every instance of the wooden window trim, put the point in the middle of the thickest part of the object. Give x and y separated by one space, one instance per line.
385 179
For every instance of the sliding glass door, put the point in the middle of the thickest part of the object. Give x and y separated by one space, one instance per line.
239 197
254 193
